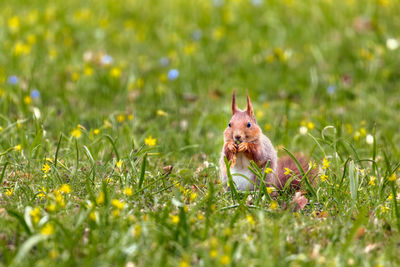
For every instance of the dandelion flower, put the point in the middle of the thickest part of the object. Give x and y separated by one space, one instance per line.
121 118
128 191
100 198
392 178
325 164
268 170
115 72
119 164
48 229
372 180
324 177
65 188
174 219
118 204
273 205
96 131
287 171
45 168
17 148
9 191
76 133
150 141
270 190
225 260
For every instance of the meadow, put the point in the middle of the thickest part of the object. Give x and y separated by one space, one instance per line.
111 127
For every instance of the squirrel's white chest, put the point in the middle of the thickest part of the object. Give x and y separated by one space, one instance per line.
241 168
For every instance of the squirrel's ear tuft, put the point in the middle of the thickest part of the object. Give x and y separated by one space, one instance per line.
249 110
234 109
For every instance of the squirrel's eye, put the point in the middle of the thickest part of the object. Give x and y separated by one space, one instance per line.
229 124
248 125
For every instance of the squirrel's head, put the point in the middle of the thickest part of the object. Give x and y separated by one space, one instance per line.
242 126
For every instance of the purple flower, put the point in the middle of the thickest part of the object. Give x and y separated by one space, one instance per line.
13 79
35 94
173 74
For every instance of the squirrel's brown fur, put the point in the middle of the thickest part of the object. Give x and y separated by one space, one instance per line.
243 142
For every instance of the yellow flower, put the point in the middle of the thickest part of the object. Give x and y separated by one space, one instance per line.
48 229
88 71
225 260
118 204
310 125
267 127
59 198
108 180
390 197
130 117
115 72
119 164
268 170
115 213
325 164
128 191
392 178
150 141
100 198
250 219
17 148
137 230
287 171
76 133
270 190
175 219
384 209
21 49
121 118
13 24
65 188
45 168
193 196
324 177
190 48
96 131
184 263
372 180
200 216
75 76
161 113
53 254
274 205
51 207
35 214
9 191
213 253
93 216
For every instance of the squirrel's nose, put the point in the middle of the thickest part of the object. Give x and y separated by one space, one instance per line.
237 137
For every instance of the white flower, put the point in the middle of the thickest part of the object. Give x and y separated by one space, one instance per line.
392 44
303 130
370 139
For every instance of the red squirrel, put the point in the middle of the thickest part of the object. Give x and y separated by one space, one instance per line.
243 142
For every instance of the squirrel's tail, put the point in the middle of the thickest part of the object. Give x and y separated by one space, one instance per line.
286 163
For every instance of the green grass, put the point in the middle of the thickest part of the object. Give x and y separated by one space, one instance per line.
108 198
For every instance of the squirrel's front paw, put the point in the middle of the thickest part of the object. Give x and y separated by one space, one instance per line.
231 147
243 147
